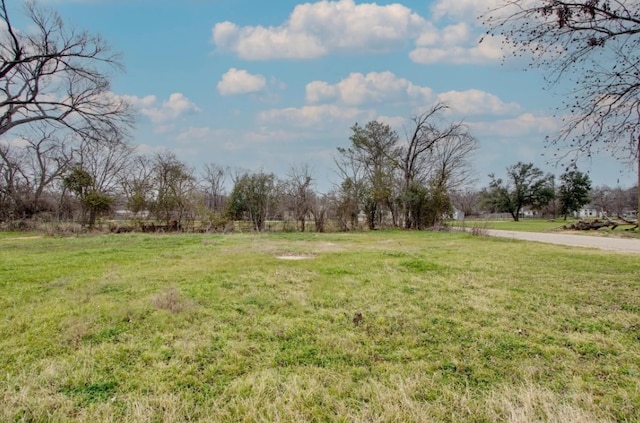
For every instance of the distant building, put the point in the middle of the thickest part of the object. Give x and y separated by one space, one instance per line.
589 212
527 213
123 214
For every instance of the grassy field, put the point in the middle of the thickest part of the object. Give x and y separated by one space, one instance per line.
360 327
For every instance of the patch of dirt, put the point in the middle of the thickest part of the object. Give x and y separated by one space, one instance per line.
295 257
327 247
627 245
608 234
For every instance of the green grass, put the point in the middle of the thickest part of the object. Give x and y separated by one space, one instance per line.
377 326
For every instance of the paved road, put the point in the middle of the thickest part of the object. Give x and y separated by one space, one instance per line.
625 245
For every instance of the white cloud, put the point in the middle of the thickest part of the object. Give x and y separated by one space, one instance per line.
148 149
457 44
320 116
319 91
524 124
238 81
140 102
395 122
477 102
385 88
317 29
374 87
194 134
468 10
260 43
454 34
170 110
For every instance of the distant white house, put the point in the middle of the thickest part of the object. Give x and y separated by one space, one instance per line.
128 214
528 213
589 211
592 212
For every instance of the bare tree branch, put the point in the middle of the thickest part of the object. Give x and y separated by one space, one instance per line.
596 45
56 75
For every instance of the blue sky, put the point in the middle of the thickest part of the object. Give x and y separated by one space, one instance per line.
267 84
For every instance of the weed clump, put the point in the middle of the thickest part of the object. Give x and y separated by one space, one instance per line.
480 229
170 300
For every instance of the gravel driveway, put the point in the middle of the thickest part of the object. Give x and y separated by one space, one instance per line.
625 245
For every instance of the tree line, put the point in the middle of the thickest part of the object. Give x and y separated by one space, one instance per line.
528 187
69 157
384 182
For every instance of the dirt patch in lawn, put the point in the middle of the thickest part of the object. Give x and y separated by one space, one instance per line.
19 238
295 257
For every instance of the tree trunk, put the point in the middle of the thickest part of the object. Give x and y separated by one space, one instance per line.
92 218
591 226
405 201
638 187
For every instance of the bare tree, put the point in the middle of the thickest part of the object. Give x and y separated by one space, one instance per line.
633 195
214 180
619 201
467 200
299 193
173 185
137 184
29 166
55 75
594 43
106 157
451 167
425 135
434 161
349 197
46 159
613 201
320 205
11 176
601 198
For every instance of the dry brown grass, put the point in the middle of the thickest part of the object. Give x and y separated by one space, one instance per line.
531 403
171 300
379 327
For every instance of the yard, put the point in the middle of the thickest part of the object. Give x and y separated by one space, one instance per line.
353 327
